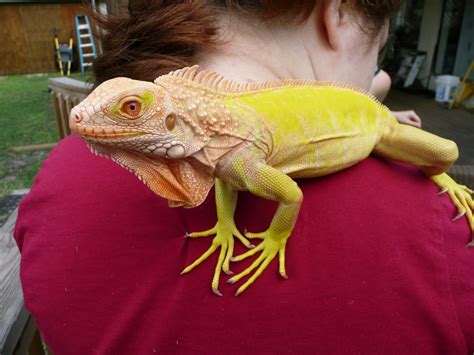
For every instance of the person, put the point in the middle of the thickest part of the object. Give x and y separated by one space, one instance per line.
380 87
375 264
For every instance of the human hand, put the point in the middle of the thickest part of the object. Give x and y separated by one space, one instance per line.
408 117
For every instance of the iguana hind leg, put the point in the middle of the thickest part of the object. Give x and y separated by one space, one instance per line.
435 155
224 231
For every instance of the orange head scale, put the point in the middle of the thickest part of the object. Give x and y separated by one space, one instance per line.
140 116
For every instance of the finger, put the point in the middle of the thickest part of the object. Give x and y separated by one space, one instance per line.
247 271
456 202
465 200
414 118
467 189
282 268
198 261
416 124
469 217
462 197
205 233
442 191
217 271
230 251
470 202
248 253
255 235
257 273
457 199
244 240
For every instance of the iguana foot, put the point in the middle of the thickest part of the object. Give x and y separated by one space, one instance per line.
271 245
461 197
224 239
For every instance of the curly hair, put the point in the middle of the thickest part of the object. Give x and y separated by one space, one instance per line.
158 36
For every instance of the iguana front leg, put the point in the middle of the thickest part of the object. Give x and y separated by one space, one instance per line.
225 230
267 182
434 155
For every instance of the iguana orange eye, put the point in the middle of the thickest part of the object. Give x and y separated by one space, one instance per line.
132 108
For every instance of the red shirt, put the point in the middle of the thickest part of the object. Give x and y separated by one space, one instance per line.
375 265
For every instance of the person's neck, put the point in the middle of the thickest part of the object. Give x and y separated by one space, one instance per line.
250 54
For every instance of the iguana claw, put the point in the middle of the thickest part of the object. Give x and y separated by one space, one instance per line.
442 191
271 245
217 292
224 239
460 196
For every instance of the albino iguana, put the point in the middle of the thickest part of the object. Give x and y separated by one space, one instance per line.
192 129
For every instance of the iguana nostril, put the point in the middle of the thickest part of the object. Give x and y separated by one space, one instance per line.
78 117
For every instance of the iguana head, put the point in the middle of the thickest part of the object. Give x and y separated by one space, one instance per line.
150 129
137 116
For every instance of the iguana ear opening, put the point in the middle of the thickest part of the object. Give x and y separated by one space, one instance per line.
186 133
182 182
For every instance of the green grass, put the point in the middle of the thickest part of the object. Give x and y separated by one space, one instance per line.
26 117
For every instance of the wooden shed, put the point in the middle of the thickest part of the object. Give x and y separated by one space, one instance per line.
27 33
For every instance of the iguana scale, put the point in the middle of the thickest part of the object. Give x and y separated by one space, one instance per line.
191 129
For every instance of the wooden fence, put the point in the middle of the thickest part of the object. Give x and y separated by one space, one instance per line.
26 35
65 94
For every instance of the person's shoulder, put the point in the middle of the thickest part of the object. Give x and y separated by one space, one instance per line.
384 184
385 210
368 251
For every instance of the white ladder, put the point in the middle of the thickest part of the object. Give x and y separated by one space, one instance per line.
85 41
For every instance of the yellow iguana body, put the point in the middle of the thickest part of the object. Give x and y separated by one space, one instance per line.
192 128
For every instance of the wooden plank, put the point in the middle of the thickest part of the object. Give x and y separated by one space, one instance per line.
68 14
11 297
30 340
62 109
39 21
26 35
13 51
64 84
57 115
65 94
32 148
69 106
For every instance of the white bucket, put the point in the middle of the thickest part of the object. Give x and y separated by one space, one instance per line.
446 87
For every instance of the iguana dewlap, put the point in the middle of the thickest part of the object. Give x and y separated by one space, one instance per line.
190 129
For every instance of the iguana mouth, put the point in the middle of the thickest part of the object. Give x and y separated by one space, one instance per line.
106 133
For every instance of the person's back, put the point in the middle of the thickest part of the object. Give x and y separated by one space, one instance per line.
375 264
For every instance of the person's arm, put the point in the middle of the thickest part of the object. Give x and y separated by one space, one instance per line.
380 85
408 117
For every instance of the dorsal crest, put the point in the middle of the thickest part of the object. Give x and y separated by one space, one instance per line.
217 82
210 79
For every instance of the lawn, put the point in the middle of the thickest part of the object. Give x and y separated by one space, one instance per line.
26 117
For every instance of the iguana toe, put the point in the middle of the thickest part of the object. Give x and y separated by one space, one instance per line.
217 292
459 215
